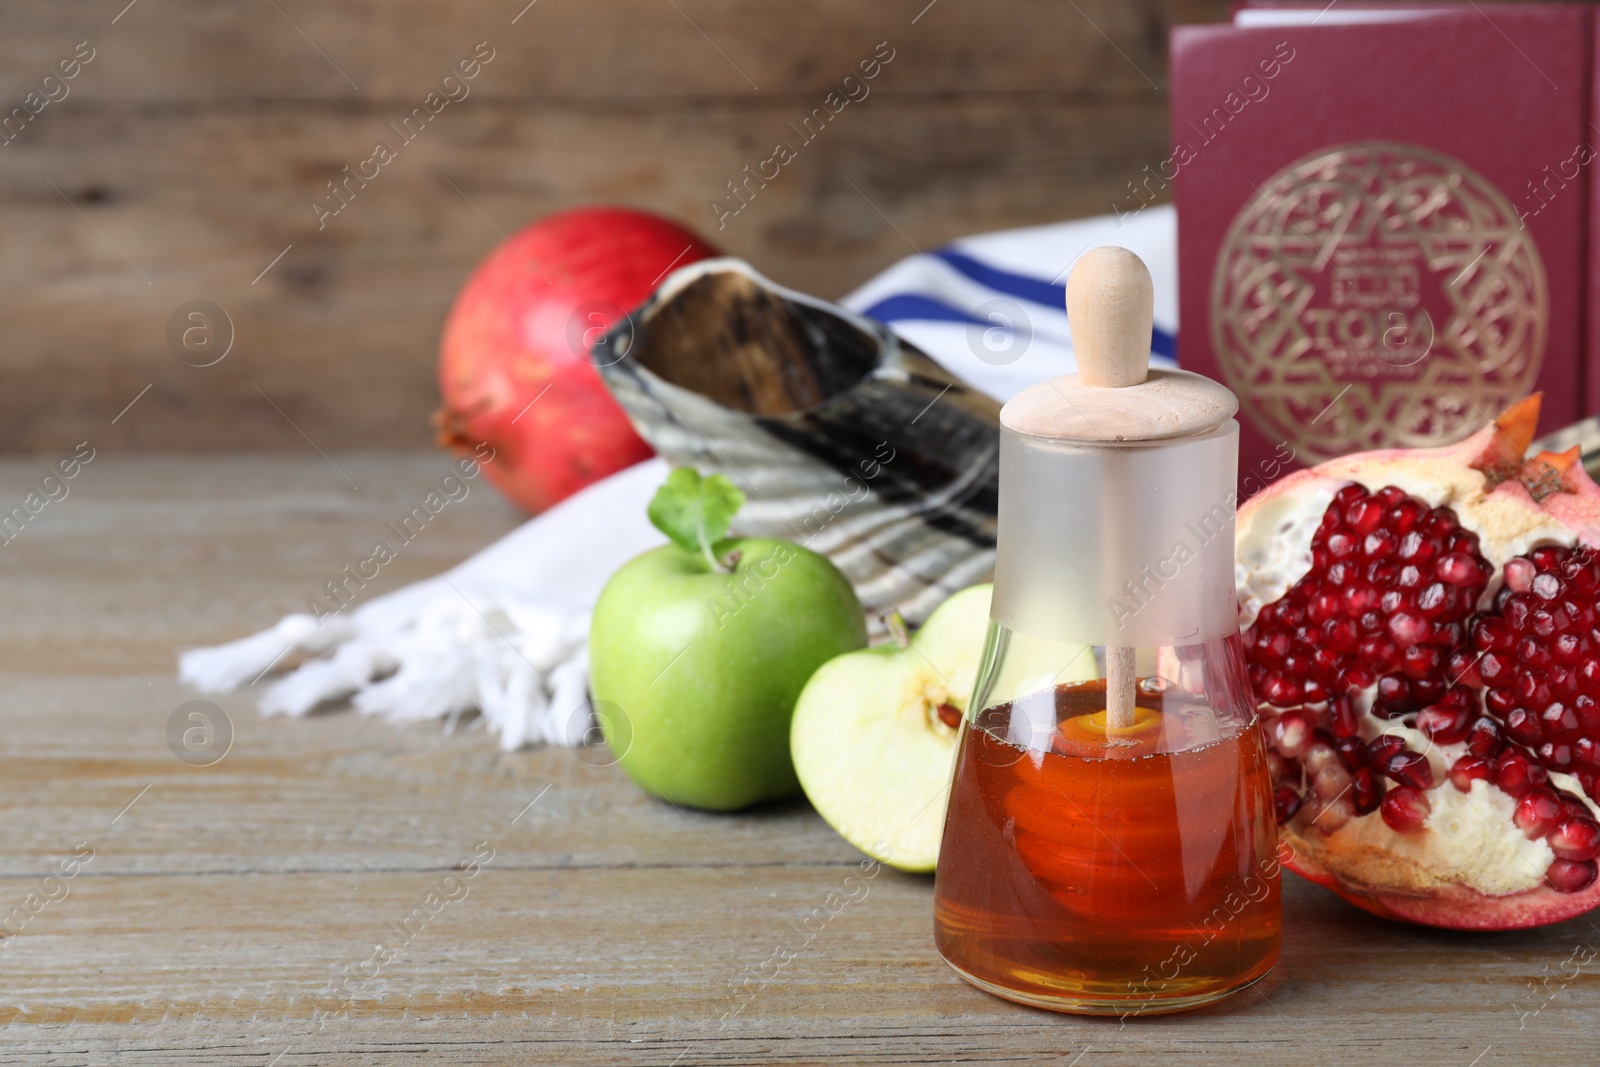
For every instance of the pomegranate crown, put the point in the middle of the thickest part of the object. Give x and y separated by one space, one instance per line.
1504 455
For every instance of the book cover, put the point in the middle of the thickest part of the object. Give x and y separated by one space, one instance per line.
1383 225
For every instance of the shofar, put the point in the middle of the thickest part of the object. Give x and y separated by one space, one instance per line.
844 438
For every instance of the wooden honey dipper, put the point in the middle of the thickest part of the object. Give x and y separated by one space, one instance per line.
1110 308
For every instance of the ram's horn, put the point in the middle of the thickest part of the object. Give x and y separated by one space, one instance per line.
843 437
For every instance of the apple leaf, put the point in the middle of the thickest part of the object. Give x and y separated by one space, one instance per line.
695 512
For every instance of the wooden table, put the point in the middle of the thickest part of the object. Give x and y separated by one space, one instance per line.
229 913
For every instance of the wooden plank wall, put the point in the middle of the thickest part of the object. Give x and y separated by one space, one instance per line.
186 153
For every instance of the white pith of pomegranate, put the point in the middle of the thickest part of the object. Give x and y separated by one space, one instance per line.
1422 632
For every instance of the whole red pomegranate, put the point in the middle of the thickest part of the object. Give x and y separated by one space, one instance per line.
514 366
1421 628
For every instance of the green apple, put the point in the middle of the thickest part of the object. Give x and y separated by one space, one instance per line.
875 732
698 650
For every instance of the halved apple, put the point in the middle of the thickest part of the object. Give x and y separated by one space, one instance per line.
874 733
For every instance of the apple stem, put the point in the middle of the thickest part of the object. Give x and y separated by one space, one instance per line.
898 629
1120 676
717 566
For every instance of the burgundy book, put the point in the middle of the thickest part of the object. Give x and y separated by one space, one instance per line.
1384 231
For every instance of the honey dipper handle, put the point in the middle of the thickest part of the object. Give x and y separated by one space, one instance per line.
1121 678
1110 310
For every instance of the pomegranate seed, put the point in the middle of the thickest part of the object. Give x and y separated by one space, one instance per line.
1559 721
1381 748
1379 544
1588 710
1425 691
1342 717
1279 689
1440 522
1445 724
1403 516
1496 668
1406 810
1331 782
1366 791
1523 726
1531 689
1326 661
1458 568
1485 738
1390 495
1518 774
1358 599
1589 675
1490 633
1569 876
1518 574
1322 607
1589 781
1575 839
1438 600
1407 627
1517 608
1352 753
1411 769
1319 754
1555 756
1532 652
1572 807
1586 750
1341 635
1499 701
1422 662
1393 699
1469 769
1291 733
1340 544
1586 579
1548 557
1363 516
1547 586
1536 814
1463 668
1285 802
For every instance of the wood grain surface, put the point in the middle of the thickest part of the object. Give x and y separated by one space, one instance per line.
229 913
187 152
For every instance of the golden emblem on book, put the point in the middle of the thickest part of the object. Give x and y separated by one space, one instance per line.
1377 294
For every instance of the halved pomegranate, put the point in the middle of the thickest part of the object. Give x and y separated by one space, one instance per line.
1422 631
